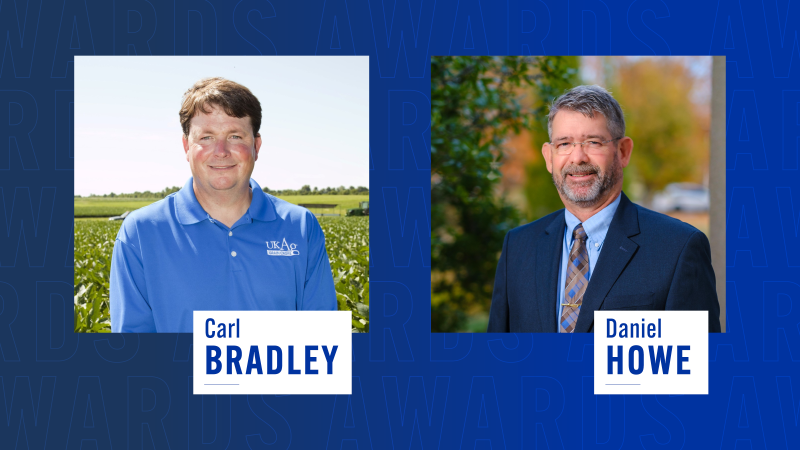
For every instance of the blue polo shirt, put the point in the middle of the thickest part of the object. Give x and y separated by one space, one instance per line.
171 258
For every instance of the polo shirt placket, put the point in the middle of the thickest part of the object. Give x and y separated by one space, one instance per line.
236 256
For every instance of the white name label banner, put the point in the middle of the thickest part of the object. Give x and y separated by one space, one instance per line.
272 352
651 352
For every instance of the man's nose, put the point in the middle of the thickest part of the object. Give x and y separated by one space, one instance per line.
221 148
578 154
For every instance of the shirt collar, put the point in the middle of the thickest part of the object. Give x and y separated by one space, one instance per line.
596 227
189 211
261 207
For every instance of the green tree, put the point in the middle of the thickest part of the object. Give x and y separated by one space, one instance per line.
558 75
476 103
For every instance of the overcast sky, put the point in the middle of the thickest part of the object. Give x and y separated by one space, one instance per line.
315 119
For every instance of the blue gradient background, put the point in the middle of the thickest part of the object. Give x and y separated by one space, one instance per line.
411 389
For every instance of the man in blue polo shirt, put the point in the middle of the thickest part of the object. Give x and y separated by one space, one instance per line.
220 243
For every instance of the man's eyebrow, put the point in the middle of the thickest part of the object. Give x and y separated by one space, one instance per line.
226 130
586 136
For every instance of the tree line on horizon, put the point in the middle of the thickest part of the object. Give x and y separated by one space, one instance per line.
308 190
146 194
305 190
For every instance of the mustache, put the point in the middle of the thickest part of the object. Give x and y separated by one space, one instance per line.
584 168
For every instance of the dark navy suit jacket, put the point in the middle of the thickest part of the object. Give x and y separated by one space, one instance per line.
649 261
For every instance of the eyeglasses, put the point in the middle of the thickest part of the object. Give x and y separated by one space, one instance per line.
591 147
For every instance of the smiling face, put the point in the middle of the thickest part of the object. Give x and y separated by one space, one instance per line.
221 151
586 180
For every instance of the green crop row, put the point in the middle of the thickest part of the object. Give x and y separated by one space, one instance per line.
346 241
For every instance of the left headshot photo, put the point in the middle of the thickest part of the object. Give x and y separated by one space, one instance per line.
234 183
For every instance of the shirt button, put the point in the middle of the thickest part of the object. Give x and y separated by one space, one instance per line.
230 233
233 254
597 244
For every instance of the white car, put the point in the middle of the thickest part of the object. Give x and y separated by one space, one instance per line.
687 197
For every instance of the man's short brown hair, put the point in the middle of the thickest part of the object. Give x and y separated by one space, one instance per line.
235 99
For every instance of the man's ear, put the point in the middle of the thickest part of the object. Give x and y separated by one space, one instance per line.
185 141
625 150
257 146
548 156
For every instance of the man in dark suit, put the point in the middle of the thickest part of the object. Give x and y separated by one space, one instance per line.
602 251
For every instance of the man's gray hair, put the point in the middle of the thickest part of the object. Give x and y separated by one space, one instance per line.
589 100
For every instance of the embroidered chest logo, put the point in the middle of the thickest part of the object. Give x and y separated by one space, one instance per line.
278 248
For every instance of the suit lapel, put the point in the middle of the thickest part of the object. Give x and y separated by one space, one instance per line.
616 253
548 259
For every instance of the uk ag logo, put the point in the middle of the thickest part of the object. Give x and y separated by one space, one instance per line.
277 248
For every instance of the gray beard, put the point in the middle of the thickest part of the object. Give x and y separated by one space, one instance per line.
601 184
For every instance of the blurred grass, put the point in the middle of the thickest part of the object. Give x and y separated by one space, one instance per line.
108 206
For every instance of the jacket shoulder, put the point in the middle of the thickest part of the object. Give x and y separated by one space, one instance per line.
536 227
665 226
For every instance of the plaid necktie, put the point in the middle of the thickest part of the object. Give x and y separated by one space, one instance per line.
577 280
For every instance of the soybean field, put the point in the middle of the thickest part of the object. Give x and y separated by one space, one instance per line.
346 241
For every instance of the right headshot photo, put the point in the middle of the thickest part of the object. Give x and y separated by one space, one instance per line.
564 185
